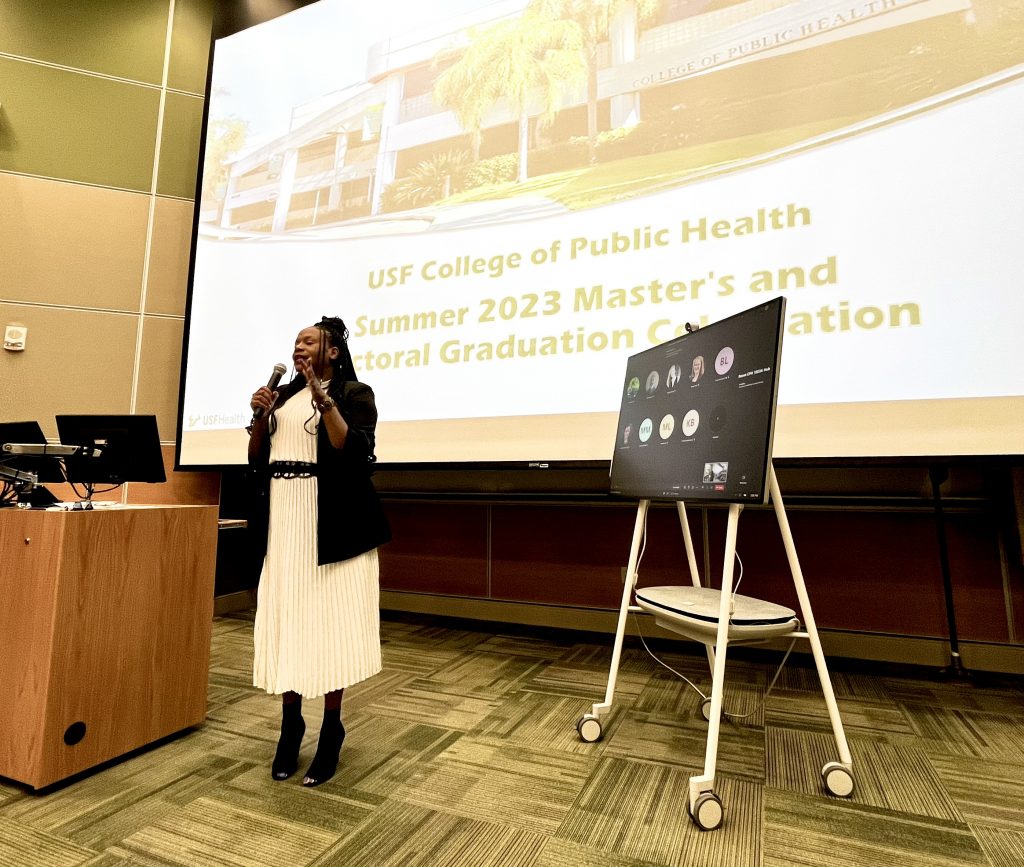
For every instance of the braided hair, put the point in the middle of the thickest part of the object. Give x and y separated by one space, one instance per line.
342 368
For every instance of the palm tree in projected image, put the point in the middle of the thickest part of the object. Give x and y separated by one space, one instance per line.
529 62
594 19
225 137
428 181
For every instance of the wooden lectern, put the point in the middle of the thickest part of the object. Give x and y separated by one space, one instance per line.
105 627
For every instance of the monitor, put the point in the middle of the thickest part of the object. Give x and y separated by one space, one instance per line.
47 469
123 448
697 415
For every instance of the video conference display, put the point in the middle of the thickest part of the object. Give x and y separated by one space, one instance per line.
698 412
500 245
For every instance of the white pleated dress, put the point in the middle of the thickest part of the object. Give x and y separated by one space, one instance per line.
317 627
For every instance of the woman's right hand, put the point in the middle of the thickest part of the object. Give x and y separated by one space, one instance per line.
263 399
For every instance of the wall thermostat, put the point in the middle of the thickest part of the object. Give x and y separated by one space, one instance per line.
14 337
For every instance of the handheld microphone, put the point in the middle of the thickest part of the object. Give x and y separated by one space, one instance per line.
272 383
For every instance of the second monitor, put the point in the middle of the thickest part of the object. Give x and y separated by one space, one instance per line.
697 416
119 448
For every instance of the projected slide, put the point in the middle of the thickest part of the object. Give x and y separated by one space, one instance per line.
507 200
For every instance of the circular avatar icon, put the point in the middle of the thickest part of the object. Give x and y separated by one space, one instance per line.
719 419
675 373
652 381
668 424
627 434
723 363
646 427
633 389
691 421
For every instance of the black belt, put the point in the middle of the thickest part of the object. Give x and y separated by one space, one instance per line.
291 470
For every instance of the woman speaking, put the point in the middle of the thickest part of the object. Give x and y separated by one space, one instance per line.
317 626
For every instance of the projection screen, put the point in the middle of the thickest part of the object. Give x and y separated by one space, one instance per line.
506 200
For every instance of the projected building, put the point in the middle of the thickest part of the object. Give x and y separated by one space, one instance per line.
346 149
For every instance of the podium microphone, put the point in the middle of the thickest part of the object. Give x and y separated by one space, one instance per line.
272 383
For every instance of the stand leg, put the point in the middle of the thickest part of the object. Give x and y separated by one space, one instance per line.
706 782
601 709
808 618
955 670
691 559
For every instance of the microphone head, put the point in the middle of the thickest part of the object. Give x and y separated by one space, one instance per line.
275 377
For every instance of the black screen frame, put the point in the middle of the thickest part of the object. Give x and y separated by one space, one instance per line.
638 465
133 453
47 469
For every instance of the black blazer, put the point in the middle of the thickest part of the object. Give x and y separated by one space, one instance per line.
350 518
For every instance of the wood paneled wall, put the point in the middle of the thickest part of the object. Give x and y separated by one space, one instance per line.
869 569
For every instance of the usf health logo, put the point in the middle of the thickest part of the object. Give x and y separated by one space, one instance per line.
216 419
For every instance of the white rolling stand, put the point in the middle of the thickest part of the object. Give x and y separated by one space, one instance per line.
714 618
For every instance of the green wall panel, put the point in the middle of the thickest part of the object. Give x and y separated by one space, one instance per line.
179 146
61 124
125 38
97 354
190 45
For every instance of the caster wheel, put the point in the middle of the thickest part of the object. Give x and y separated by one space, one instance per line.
838 780
589 728
708 811
705 709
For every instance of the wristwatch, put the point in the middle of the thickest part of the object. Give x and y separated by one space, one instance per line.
326 405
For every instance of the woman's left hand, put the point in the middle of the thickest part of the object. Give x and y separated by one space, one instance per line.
312 380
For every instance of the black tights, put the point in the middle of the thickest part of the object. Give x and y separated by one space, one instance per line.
332 701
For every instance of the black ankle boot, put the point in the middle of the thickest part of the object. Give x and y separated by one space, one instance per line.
293 727
325 762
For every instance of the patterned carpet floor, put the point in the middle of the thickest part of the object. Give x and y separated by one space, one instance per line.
463 751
